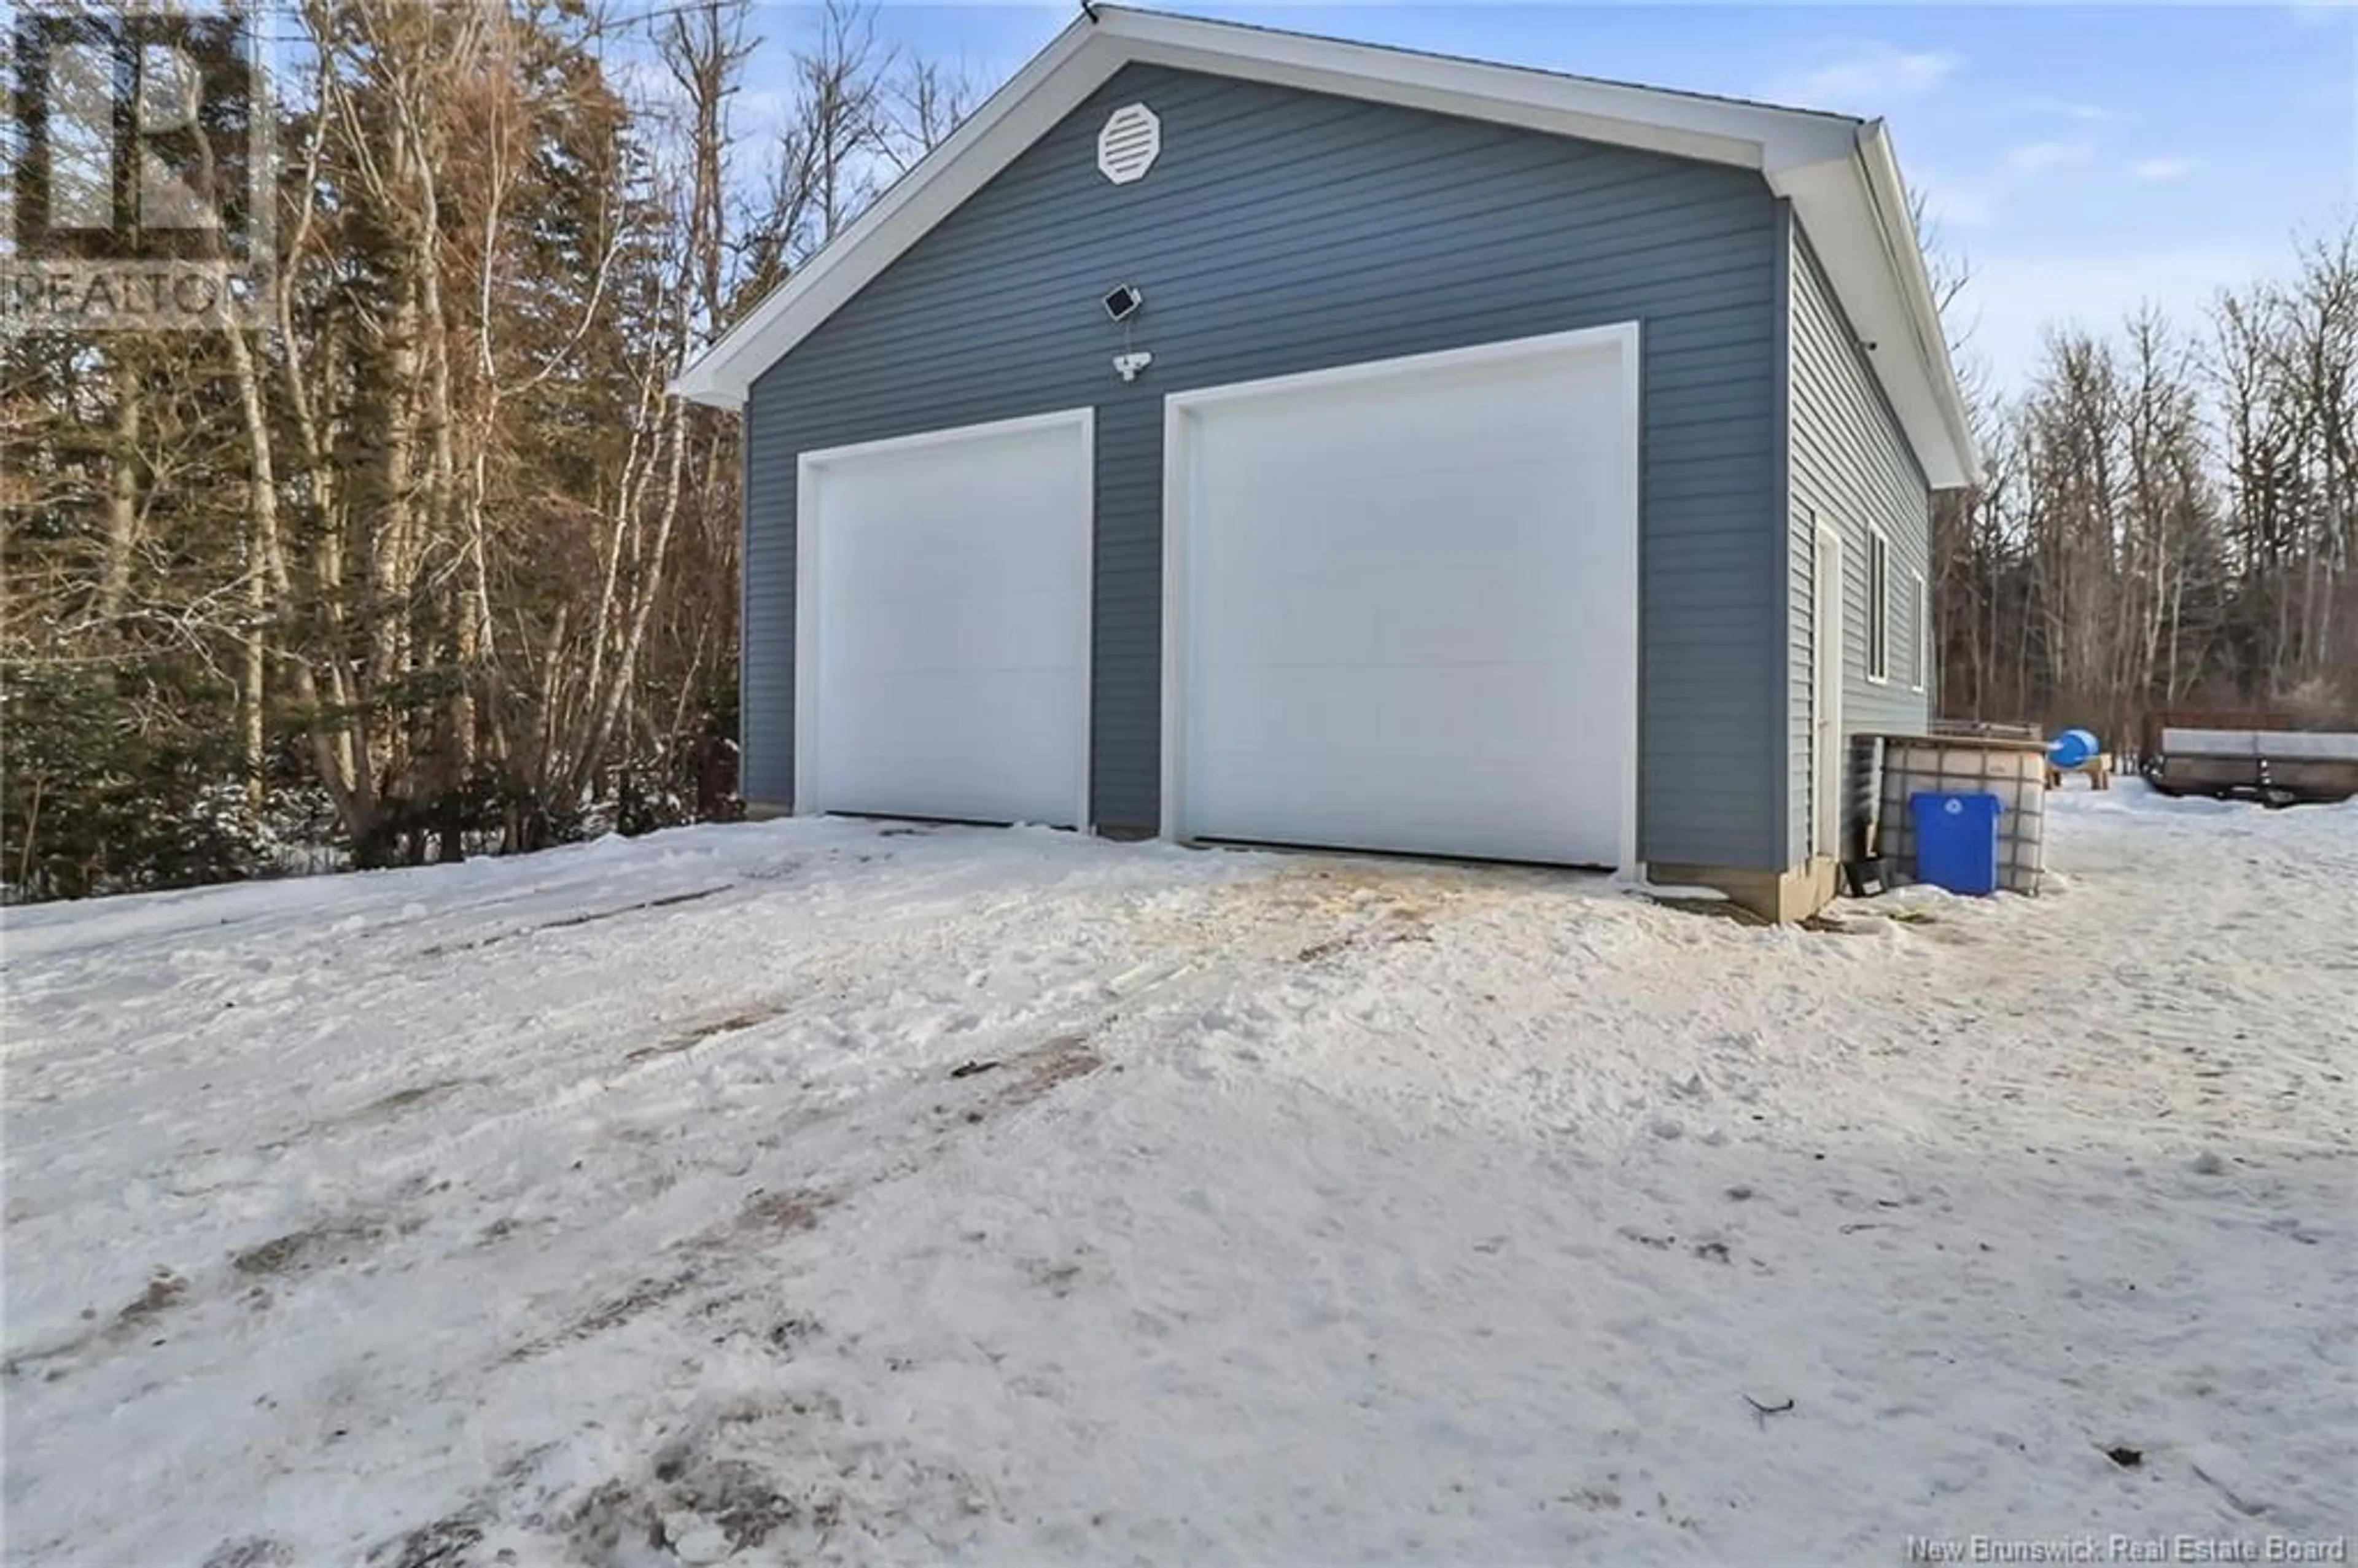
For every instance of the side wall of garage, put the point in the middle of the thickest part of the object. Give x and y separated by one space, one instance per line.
1281 230
1851 466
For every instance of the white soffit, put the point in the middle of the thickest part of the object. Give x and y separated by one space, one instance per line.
1837 171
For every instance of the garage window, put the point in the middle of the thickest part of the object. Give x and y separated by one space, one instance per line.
1879 606
1923 632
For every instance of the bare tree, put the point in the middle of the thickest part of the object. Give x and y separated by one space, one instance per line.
2168 518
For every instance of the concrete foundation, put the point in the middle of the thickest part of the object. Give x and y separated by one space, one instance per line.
1795 894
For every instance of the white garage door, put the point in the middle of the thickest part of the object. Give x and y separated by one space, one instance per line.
942 631
1401 604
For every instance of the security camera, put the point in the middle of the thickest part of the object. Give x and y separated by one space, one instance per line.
1122 303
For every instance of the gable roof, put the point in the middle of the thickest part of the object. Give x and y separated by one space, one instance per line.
1838 172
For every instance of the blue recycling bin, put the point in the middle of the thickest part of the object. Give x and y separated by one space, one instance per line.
1956 842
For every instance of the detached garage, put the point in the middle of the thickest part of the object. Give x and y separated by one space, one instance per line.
1252 438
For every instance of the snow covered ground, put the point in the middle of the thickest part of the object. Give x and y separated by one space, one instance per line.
837 1192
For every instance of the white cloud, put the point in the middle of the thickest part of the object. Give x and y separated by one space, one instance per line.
2012 301
1862 78
2160 169
1957 200
2071 109
1957 203
2036 157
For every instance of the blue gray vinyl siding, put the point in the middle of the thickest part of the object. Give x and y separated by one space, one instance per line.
1850 465
1281 232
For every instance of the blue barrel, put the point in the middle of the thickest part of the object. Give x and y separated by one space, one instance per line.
1956 842
2072 748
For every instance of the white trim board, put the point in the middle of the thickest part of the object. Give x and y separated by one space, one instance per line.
1828 657
1838 172
1624 339
806 624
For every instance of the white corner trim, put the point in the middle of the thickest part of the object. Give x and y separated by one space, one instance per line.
1175 510
1633 343
1625 337
808 470
1837 171
1829 652
1084 817
805 638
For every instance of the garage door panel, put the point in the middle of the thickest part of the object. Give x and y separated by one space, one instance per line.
1415 713
1368 530
1363 474
944 624
1402 513
938 542
1380 542
1407 606
893 742
1020 630
1404 428
905 569
1457 611
1484 810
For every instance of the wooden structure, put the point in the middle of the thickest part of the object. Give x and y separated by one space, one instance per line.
2099 769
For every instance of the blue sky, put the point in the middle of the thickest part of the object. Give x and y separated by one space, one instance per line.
2080 159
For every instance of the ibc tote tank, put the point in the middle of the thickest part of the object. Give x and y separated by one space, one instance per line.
2014 771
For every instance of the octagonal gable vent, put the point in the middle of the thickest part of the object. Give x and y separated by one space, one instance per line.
1127 145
